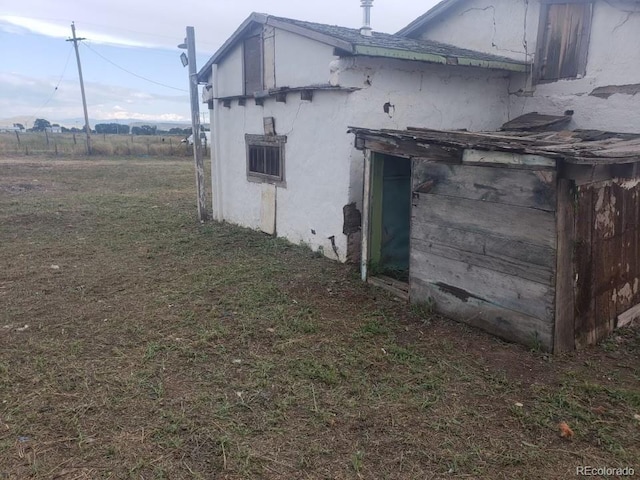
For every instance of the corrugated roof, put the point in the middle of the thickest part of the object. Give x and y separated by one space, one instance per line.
349 41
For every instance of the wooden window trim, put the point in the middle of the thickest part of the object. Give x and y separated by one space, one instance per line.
267 141
541 40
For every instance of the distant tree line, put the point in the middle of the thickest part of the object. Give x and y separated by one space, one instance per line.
112 128
41 124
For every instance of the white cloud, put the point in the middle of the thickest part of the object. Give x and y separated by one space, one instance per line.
19 24
39 98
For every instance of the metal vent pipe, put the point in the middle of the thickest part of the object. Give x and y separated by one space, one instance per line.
366 17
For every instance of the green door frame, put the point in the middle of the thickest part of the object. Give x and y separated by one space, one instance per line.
372 210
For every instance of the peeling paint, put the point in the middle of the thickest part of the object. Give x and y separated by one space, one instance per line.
629 184
625 294
605 212
606 91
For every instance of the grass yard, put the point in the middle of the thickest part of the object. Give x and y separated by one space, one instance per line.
136 343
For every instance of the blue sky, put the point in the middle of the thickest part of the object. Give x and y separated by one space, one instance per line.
139 37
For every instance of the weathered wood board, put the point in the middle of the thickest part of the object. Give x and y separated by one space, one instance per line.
525 188
564 336
483 247
469 281
484 157
527 225
606 261
540 259
504 323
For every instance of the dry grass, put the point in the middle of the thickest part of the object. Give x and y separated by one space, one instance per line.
69 144
136 343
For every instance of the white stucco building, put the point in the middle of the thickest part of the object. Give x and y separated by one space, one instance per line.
377 147
290 89
584 53
283 94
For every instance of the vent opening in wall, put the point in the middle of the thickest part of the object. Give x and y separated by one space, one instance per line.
265 158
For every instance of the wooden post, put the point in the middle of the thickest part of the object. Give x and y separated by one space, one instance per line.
87 128
195 124
46 135
18 137
366 215
564 326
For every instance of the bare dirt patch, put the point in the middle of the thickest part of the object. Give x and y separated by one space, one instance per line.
135 343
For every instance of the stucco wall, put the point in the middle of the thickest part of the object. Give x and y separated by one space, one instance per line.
230 77
418 95
316 168
490 26
323 169
510 28
421 94
301 61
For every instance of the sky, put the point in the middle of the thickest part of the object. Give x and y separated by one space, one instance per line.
130 60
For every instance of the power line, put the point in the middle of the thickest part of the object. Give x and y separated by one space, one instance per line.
132 73
55 90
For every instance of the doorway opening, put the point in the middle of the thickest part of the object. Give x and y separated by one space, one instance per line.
390 218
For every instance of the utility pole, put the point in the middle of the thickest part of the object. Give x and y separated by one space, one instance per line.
190 45
87 128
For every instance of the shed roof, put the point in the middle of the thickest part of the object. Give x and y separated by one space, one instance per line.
349 41
590 147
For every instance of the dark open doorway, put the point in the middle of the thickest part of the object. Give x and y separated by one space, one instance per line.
390 216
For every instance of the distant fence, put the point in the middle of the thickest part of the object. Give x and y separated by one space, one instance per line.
69 144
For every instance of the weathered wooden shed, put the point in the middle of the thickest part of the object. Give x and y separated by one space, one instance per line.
533 237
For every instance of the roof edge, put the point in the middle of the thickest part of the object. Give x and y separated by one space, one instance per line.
265 19
513 66
226 46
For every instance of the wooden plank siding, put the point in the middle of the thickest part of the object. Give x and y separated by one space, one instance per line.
563 39
606 263
483 244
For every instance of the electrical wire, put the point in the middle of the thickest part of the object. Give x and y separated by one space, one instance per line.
55 90
130 72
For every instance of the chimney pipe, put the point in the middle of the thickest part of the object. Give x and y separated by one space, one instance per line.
366 17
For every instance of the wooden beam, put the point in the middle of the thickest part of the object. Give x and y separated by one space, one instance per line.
483 157
629 316
409 149
585 174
